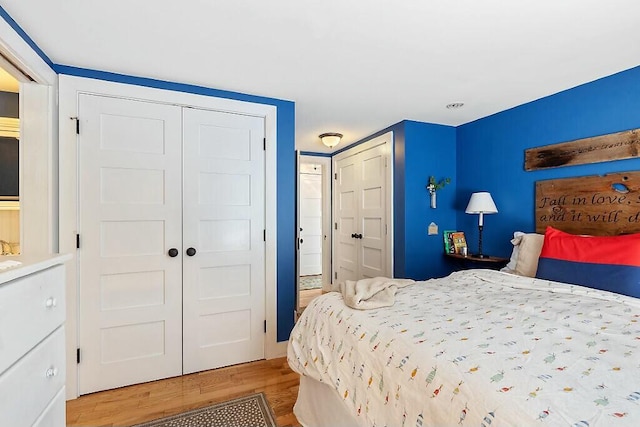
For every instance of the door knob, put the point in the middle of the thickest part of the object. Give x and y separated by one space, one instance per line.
173 252
358 236
354 236
191 251
301 241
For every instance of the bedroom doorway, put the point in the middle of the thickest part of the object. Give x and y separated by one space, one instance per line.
314 224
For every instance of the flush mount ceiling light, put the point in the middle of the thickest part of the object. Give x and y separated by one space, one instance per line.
330 139
455 105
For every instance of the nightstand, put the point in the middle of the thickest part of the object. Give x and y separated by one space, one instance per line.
474 261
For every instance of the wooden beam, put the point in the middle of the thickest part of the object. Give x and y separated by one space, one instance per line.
614 146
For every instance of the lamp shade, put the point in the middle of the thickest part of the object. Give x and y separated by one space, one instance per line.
481 202
331 139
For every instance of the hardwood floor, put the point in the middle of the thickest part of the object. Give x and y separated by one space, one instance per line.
145 402
307 295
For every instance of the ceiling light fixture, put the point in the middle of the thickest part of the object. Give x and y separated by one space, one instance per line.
455 105
331 139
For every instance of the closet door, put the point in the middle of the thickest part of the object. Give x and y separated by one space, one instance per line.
224 260
130 288
372 220
346 217
360 205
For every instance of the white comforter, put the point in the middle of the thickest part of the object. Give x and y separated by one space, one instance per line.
478 348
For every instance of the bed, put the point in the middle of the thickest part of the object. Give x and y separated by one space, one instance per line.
482 347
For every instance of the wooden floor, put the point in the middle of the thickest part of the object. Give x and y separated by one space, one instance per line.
307 295
145 402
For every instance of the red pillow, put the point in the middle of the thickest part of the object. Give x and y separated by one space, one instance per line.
609 263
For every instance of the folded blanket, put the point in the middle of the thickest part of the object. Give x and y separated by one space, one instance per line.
365 294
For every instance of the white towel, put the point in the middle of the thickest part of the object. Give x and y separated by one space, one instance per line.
365 294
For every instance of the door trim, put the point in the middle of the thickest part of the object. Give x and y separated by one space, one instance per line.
70 88
387 139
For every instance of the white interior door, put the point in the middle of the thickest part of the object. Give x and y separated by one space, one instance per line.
224 275
346 217
130 289
372 221
361 245
310 220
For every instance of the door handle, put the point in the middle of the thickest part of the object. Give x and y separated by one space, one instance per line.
354 236
301 241
191 251
358 236
173 252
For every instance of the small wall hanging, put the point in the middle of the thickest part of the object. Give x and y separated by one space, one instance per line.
434 186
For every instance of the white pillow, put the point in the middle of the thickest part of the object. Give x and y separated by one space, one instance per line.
525 254
511 266
528 254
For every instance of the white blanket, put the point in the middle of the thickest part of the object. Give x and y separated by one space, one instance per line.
366 294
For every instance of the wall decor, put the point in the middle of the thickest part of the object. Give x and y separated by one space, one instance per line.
603 148
434 186
600 205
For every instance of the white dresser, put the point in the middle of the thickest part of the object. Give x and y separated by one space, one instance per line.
32 342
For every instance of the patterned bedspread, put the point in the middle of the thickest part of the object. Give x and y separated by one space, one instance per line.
478 348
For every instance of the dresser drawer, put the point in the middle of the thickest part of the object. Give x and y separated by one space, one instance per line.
28 386
55 414
30 308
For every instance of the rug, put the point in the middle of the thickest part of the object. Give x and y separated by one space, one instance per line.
248 411
310 282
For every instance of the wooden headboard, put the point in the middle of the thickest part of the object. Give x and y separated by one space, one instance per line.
598 205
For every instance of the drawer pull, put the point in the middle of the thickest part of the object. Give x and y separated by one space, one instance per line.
51 302
51 372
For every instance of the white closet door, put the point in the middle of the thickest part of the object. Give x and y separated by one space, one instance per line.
130 290
224 281
372 213
346 207
310 223
361 213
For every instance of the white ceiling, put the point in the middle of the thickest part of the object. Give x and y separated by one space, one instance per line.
353 67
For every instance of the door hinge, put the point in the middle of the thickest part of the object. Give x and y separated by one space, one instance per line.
264 144
335 276
265 326
77 241
77 355
335 176
77 124
264 235
385 229
335 225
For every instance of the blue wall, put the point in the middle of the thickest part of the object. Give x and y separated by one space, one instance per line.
491 151
423 150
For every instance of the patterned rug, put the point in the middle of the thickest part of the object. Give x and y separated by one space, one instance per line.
248 411
310 282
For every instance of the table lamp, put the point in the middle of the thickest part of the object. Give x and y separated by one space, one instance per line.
481 203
